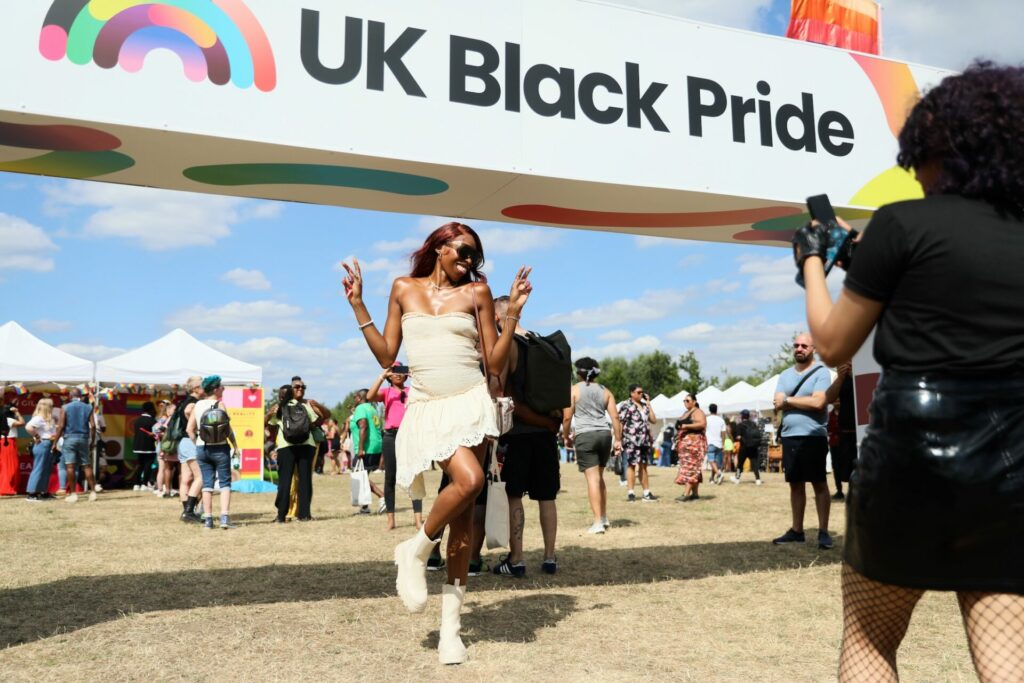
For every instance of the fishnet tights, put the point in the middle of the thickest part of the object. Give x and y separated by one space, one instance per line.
876 616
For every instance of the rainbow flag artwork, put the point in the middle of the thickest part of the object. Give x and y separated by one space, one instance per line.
849 24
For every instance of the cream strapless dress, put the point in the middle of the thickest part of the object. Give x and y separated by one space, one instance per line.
449 405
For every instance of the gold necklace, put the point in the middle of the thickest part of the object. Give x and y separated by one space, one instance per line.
438 288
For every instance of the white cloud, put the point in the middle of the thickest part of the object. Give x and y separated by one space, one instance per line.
616 336
407 245
24 246
721 286
92 351
738 14
247 279
47 326
509 240
331 372
691 332
253 317
951 33
771 279
156 219
692 260
652 305
627 349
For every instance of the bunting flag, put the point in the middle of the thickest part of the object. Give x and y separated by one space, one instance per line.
849 24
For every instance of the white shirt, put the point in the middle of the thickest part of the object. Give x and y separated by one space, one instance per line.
716 425
44 430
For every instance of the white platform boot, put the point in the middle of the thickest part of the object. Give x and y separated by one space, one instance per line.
411 558
450 648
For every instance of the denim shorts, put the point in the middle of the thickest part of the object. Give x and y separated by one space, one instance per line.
715 456
186 450
215 459
75 450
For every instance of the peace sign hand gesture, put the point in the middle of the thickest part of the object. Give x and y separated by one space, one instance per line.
520 292
353 282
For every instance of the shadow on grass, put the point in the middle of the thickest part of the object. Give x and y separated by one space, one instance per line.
33 612
516 620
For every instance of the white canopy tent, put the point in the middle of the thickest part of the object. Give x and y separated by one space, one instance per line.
737 397
24 358
708 396
666 408
172 359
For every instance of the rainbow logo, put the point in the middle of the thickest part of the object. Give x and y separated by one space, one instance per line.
216 39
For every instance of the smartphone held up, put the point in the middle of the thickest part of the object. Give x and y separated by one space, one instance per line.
820 209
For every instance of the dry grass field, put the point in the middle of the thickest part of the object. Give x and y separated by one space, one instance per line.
121 590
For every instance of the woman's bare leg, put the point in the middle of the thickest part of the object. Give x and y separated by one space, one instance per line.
875 619
594 492
466 475
995 633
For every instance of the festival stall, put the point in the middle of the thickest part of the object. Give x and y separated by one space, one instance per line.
159 370
31 369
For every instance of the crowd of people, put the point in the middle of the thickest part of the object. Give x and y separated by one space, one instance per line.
933 501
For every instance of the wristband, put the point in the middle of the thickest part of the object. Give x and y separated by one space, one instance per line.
366 324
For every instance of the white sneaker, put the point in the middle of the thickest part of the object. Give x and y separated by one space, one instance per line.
758 482
622 483
136 488
596 528
98 488
735 480
73 498
92 496
605 523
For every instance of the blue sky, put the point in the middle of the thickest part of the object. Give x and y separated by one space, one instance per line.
98 269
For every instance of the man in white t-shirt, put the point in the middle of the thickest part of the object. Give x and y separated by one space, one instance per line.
715 434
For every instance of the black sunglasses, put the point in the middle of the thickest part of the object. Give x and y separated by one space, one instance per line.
466 253
801 346
297 387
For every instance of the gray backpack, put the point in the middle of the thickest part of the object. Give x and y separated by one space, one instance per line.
215 425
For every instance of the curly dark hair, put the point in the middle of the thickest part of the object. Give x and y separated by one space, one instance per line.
973 125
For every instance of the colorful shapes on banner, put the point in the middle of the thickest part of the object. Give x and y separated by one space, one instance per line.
216 39
542 213
894 185
897 90
316 174
58 138
77 165
781 229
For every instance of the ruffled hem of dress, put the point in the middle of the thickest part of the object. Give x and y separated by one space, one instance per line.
405 476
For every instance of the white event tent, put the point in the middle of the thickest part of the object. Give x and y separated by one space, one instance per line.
172 359
26 359
708 396
666 408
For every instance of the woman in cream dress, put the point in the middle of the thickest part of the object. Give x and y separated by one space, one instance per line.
450 414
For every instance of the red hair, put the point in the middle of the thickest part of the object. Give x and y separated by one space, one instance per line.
424 259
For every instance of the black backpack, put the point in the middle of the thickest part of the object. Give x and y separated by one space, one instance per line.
295 425
543 374
176 427
215 425
749 433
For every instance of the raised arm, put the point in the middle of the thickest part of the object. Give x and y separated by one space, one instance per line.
498 348
372 394
383 346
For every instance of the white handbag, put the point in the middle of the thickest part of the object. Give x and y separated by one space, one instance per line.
360 486
496 524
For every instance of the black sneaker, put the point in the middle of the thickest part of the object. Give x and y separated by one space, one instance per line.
47 496
365 510
630 497
478 567
839 496
191 518
506 568
648 497
790 537
549 566
435 563
824 540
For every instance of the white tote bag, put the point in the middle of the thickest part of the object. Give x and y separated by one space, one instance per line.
360 485
496 524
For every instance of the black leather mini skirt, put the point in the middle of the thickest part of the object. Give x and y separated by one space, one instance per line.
937 497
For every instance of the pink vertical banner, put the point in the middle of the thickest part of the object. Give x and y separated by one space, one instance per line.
245 406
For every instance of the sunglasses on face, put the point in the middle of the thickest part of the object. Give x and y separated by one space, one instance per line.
466 253
298 387
801 346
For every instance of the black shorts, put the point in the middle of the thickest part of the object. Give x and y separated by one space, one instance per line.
531 465
803 458
371 461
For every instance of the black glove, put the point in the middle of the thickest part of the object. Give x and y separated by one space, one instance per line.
809 240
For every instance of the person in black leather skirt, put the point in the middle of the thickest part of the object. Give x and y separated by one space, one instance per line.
937 498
